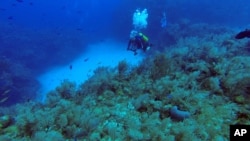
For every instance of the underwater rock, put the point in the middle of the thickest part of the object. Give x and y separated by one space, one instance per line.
11 130
5 121
178 114
240 99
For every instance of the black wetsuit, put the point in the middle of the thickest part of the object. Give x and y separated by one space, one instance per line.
138 42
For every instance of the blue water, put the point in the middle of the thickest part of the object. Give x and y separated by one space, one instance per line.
37 35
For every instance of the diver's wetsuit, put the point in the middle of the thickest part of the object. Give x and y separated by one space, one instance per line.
138 42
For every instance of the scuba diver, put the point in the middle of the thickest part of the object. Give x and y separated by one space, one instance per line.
138 41
243 34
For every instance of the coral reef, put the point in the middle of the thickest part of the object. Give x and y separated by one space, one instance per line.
207 76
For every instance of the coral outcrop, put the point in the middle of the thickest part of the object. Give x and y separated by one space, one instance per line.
206 77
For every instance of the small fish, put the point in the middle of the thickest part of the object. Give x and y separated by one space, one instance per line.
70 67
86 59
2 9
4 99
79 29
19 0
6 92
10 17
28 99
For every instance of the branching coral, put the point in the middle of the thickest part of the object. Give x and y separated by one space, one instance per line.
203 76
161 66
122 68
